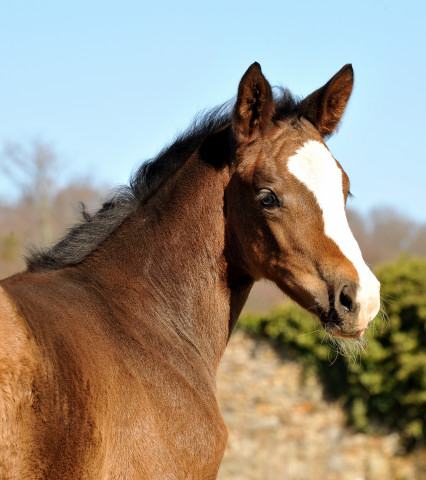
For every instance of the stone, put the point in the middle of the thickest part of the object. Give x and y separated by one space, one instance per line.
282 428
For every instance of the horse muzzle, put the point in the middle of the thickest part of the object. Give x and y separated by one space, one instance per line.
352 307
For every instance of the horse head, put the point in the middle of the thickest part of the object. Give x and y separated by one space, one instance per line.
286 202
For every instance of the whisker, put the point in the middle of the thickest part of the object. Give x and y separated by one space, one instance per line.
332 362
310 333
387 297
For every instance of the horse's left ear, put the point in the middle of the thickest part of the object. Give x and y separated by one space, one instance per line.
324 107
254 107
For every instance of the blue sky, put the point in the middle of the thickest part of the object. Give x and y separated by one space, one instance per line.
109 83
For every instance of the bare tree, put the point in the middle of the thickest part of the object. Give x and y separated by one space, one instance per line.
385 233
33 169
42 211
418 246
391 232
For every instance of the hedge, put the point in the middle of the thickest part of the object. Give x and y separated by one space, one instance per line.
384 387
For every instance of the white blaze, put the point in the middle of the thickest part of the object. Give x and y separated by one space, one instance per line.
315 167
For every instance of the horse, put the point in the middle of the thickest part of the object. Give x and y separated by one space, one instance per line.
110 339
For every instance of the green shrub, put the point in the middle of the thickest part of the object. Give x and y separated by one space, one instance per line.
386 385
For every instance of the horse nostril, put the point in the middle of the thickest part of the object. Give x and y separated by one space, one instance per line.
345 299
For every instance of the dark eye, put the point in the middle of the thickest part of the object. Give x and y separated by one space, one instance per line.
267 198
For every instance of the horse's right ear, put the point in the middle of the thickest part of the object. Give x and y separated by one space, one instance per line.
254 108
324 108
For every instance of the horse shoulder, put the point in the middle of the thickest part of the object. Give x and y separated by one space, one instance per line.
18 366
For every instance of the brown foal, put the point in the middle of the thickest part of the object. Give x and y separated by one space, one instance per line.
110 341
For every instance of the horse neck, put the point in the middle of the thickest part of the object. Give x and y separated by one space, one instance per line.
166 264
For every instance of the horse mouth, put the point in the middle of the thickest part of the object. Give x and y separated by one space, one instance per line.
337 332
338 327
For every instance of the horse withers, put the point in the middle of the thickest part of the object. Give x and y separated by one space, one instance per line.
110 340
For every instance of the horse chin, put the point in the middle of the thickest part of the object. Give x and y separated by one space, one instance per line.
336 331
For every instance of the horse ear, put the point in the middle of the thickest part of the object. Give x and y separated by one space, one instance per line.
324 107
254 107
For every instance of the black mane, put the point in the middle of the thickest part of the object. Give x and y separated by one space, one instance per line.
82 239
146 181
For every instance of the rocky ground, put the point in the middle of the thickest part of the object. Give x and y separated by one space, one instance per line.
282 428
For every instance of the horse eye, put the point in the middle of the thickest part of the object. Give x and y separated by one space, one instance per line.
267 198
